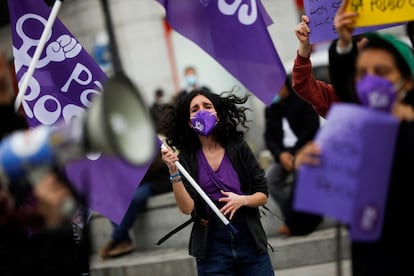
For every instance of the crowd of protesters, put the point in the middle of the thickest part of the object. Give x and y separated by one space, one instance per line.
204 131
360 66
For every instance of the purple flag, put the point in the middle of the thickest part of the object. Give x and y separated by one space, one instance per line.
351 184
236 36
63 84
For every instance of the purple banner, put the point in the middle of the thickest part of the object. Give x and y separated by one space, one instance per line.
236 36
351 184
63 85
321 14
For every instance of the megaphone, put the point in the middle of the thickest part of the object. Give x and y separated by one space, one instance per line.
119 123
116 123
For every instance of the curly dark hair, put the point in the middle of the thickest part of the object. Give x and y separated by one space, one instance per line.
230 110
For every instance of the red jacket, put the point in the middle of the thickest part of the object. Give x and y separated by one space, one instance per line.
318 93
299 4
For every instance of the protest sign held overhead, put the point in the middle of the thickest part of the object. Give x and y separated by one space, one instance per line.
321 14
379 12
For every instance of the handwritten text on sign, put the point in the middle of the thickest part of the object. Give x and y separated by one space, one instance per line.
351 184
376 12
322 13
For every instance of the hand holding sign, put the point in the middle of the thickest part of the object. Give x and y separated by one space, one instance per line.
345 173
302 31
344 23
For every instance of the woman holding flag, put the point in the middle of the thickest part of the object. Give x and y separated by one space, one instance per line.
203 127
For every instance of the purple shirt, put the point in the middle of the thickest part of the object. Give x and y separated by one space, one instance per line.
225 178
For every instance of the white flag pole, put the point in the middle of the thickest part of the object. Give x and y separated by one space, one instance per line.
203 195
36 56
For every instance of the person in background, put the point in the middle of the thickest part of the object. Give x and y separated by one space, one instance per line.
154 182
290 123
343 50
9 119
191 82
156 109
204 128
380 59
190 78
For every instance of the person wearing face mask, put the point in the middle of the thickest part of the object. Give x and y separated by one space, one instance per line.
191 82
343 51
190 78
207 131
384 81
321 95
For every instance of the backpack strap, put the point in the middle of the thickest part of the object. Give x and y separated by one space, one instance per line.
175 230
272 213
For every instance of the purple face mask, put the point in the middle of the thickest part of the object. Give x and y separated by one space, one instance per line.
204 122
376 92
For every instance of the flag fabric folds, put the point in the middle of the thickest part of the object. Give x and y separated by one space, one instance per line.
236 36
62 87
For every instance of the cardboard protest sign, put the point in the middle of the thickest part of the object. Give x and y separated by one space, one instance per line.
351 183
373 13
321 14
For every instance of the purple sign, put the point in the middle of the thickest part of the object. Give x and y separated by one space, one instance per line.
62 87
321 14
351 184
236 36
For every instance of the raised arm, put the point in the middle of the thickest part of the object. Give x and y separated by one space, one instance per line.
317 93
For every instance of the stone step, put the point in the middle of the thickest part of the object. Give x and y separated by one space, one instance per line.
290 254
171 258
161 216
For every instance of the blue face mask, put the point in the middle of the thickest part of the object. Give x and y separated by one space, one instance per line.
190 80
204 122
376 92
